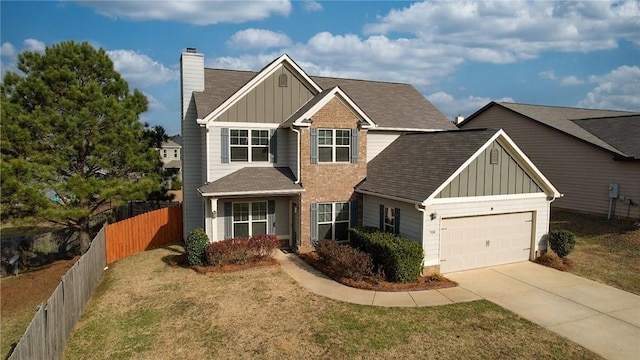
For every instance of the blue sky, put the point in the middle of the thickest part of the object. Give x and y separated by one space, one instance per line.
459 54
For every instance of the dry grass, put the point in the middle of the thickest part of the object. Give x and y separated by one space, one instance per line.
145 309
607 251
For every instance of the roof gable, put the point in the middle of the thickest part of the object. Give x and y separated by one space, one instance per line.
268 71
301 117
417 167
561 119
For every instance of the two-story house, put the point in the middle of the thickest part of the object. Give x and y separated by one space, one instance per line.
306 157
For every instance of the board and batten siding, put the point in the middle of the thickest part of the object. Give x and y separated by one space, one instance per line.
579 170
269 102
192 79
378 141
281 215
410 218
469 207
482 178
216 169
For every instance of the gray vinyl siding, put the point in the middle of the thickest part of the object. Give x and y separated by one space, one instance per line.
378 141
579 170
410 218
192 79
281 215
216 169
481 178
268 102
291 150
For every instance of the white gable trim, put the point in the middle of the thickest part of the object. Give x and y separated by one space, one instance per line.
546 185
263 74
344 98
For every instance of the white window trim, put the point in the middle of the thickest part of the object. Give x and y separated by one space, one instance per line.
334 215
250 220
249 146
334 146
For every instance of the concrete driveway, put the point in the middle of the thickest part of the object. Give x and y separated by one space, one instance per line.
603 319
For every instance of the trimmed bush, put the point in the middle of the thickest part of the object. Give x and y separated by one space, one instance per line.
241 250
196 243
399 258
345 260
562 242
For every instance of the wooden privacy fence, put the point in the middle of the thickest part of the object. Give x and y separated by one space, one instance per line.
143 232
53 322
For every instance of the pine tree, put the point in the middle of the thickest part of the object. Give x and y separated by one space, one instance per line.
71 141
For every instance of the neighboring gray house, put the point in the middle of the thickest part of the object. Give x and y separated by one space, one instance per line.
303 157
591 156
170 155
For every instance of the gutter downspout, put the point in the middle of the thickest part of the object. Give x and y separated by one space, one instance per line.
298 155
423 210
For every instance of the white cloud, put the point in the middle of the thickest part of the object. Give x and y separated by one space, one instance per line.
453 107
311 6
192 11
139 69
618 89
154 104
570 81
258 39
549 75
34 45
509 31
7 50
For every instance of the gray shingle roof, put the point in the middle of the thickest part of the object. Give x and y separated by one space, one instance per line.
388 104
621 132
416 164
561 118
250 180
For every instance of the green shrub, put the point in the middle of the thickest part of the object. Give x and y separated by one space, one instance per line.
196 243
176 184
399 258
345 260
241 250
562 242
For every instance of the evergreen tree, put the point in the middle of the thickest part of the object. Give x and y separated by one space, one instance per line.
71 142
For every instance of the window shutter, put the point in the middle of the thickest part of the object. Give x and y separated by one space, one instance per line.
271 217
314 222
228 220
353 212
314 145
354 145
381 218
273 145
224 145
397 221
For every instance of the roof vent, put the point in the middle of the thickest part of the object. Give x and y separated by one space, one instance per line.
191 50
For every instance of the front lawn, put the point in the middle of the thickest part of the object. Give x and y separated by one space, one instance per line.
145 309
606 251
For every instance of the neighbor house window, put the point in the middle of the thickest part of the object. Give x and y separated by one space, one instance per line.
249 145
249 218
164 153
334 145
333 221
175 153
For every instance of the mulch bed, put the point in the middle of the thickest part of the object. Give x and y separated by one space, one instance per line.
553 261
181 261
430 282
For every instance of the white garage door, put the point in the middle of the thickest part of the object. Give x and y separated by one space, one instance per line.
481 241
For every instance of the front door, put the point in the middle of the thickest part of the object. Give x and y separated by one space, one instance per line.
295 226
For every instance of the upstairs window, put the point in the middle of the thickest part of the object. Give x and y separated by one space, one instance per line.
334 145
164 153
175 153
249 145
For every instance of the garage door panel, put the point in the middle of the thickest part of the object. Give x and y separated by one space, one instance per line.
480 241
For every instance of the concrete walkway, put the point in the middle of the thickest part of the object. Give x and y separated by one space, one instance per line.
603 319
312 279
